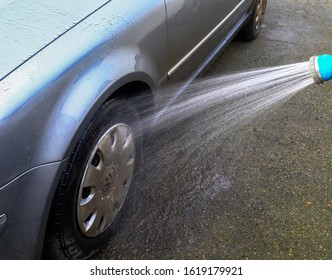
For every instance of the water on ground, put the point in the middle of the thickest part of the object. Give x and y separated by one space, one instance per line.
178 209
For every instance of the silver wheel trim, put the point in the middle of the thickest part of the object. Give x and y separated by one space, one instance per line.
106 180
260 10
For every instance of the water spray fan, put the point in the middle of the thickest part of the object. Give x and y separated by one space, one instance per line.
321 68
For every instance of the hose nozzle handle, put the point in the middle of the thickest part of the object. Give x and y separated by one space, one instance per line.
321 68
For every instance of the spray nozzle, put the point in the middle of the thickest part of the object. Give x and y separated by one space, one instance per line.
321 68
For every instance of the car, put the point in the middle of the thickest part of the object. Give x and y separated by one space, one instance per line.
70 135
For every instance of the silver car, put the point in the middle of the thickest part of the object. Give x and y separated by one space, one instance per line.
70 137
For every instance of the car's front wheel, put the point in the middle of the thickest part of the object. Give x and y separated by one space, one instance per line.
95 185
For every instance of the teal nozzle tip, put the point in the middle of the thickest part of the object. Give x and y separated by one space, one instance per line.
321 68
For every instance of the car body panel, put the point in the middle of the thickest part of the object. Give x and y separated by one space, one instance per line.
48 100
201 18
52 98
24 228
28 26
208 23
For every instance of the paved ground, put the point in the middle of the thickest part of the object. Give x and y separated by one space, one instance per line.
262 191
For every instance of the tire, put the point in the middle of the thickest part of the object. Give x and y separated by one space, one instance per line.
93 188
252 29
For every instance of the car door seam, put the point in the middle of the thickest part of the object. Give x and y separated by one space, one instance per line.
203 41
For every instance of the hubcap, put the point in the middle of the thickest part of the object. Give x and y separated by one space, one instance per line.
106 180
260 10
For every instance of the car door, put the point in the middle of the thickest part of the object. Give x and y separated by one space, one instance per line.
190 23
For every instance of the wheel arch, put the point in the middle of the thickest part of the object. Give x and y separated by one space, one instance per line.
131 86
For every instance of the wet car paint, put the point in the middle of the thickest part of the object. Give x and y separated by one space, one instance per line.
46 103
70 88
28 26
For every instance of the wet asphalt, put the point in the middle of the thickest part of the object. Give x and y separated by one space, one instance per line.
262 190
